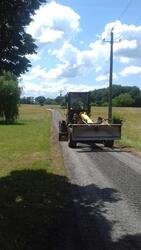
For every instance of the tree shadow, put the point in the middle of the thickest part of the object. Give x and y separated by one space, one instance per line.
36 212
90 205
18 123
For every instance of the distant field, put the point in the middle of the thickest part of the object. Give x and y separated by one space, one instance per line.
33 187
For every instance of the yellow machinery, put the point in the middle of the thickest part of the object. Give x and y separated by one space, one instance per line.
85 118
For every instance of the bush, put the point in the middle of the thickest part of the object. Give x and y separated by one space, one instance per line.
117 119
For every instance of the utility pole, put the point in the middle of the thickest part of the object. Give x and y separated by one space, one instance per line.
111 78
61 91
110 74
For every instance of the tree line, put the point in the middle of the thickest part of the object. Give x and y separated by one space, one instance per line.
41 100
123 96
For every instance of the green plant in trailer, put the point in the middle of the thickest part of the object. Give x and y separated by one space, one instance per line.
117 118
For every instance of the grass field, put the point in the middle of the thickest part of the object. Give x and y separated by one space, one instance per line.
33 187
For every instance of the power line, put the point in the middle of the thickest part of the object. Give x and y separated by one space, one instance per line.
125 9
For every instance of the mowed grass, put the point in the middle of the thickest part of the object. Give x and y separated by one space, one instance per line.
131 129
27 143
34 192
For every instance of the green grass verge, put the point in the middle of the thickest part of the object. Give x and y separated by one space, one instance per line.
34 191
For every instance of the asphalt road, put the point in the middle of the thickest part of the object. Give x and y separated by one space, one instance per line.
106 191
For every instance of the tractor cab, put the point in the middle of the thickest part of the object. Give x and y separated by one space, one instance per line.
77 102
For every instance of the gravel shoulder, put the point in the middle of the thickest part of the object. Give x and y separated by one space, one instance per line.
106 190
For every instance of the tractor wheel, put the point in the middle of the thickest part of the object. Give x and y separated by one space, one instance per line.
60 137
109 143
71 143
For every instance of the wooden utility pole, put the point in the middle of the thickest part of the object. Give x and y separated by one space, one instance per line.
111 78
110 74
61 91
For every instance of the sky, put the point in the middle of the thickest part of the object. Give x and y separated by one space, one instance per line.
72 54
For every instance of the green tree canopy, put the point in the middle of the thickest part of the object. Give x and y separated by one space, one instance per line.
41 100
9 97
27 100
100 96
123 100
15 43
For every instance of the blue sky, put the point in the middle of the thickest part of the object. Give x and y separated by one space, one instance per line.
71 53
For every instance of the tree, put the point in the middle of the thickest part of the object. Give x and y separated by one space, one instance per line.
9 97
41 100
15 43
27 100
123 100
49 101
138 101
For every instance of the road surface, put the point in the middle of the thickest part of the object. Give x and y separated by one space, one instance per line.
106 190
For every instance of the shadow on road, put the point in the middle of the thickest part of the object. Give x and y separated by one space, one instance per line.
90 202
36 213
90 148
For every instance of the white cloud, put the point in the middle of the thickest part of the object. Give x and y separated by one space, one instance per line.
131 70
36 72
54 21
68 53
115 76
57 72
102 78
80 62
121 31
130 45
124 60
99 68
82 42
53 88
50 35
61 71
100 51
33 57
106 77
75 62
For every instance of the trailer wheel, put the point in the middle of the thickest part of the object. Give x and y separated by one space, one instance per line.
71 142
109 143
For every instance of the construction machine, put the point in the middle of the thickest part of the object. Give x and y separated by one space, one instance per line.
79 127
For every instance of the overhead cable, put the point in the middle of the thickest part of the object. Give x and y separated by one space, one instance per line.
125 9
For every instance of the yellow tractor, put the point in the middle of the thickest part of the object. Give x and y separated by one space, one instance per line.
79 127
